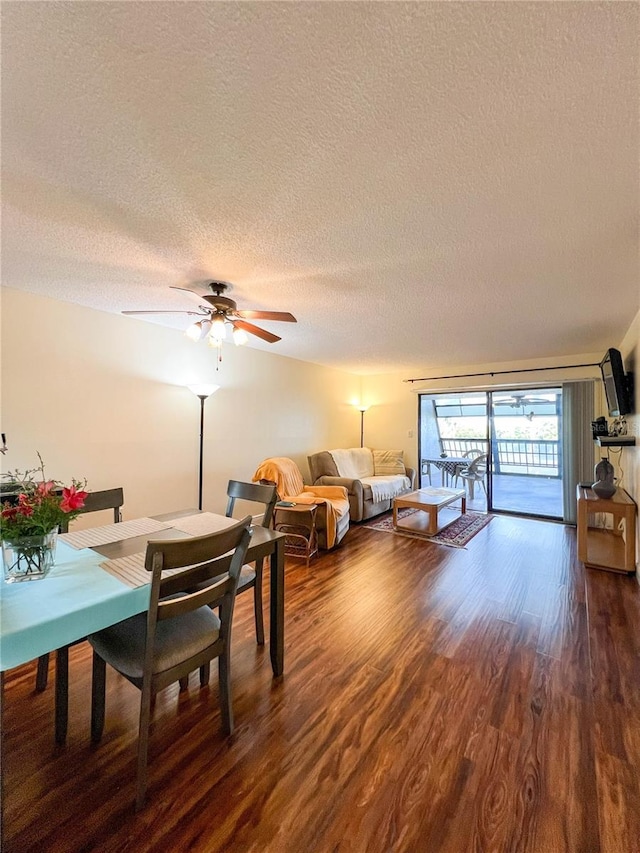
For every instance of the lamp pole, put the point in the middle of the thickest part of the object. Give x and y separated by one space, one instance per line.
202 392
202 399
363 409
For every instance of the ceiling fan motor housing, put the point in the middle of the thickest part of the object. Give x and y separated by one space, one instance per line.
221 303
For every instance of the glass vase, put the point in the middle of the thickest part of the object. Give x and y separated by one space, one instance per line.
29 558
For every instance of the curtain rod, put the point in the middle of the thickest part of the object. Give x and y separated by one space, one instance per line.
500 372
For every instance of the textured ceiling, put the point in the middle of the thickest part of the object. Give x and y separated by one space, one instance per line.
420 184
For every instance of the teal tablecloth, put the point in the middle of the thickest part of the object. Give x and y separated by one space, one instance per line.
76 598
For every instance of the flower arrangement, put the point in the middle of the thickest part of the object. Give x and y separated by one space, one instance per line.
42 504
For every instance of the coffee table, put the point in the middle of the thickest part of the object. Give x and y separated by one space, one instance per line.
429 500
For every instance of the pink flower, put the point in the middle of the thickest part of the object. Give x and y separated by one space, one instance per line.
72 499
45 488
25 505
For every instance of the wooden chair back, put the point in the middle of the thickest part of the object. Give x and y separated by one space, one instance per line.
254 492
100 500
207 562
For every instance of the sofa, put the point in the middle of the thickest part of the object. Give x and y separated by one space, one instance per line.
372 478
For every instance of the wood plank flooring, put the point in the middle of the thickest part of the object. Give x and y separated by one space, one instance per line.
434 700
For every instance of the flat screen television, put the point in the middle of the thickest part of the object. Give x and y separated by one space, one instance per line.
616 384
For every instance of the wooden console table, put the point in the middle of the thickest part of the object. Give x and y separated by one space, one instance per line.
611 549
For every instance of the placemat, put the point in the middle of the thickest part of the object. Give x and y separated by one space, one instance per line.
93 536
202 523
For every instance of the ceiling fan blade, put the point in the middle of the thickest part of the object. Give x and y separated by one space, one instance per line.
282 316
256 330
193 295
192 313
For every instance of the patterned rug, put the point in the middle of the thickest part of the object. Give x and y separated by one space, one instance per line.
456 534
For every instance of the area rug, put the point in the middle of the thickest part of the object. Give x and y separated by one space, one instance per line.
456 534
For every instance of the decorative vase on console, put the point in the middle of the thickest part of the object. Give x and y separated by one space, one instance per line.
604 485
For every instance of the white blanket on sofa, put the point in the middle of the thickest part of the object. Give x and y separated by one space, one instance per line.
355 463
385 488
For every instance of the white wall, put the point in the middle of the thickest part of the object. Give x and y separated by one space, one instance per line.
102 396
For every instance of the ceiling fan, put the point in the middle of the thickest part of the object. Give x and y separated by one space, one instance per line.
216 311
519 399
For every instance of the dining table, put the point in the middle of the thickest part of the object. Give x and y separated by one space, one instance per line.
449 466
90 588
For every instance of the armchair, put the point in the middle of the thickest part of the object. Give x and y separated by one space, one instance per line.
333 502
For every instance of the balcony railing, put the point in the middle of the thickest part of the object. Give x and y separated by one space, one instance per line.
536 458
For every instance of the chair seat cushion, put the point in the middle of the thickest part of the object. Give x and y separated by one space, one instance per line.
122 645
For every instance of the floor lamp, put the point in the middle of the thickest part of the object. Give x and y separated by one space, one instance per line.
202 392
362 410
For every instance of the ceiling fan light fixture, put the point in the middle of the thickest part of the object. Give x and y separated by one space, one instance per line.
218 329
195 332
240 337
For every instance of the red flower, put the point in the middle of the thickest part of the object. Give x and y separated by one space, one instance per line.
72 499
10 512
25 509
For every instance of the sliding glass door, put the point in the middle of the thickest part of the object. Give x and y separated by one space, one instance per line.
454 447
526 457
503 447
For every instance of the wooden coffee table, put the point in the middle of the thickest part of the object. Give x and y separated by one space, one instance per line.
429 500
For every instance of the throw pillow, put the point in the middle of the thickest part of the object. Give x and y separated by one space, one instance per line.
388 462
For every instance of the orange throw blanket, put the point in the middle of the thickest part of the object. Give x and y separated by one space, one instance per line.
290 487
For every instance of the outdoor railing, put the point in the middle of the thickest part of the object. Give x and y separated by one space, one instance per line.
537 458
459 446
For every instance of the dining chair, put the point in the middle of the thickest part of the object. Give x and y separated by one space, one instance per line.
101 500
94 502
475 472
251 577
180 631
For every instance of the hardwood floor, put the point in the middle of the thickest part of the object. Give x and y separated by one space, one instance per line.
434 700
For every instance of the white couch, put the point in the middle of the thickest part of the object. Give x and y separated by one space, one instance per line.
372 478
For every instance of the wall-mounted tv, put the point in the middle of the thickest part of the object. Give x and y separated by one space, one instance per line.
617 384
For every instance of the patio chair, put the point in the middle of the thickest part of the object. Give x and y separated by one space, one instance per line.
473 453
475 472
